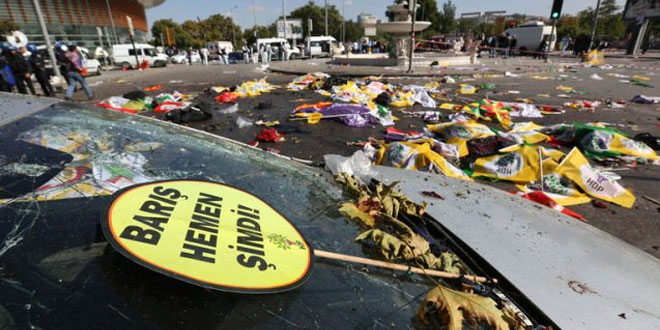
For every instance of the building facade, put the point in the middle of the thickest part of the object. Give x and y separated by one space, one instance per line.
87 23
368 22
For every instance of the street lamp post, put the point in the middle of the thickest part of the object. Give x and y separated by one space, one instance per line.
233 34
411 48
112 21
343 22
284 18
44 31
254 13
593 29
326 17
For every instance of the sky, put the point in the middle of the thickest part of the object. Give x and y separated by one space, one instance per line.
268 10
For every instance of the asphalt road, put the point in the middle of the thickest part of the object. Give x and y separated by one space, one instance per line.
639 226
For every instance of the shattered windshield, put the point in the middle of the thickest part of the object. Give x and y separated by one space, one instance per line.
58 168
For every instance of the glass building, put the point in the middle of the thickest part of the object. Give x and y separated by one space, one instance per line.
86 23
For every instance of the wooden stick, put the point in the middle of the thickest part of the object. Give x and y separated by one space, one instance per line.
652 200
389 265
331 116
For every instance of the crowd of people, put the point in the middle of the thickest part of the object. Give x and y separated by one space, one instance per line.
368 46
19 64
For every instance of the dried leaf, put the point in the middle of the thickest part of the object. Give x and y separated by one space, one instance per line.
352 212
391 247
452 307
513 318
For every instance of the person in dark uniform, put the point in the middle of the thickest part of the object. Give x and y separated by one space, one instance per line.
6 76
21 69
38 63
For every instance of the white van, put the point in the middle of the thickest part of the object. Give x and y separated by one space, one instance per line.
124 55
531 34
214 47
319 46
275 44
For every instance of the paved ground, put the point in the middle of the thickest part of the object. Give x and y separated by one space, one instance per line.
638 226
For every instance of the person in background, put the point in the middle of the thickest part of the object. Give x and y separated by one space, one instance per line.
565 42
269 53
73 74
189 54
540 52
649 42
38 63
246 54
493 46
7 81
255 53
512 47
205 55
21 69
102 55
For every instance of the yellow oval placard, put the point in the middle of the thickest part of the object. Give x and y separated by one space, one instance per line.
208 234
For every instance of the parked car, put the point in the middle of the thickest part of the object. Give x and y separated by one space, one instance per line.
182 58
235 57
61 162
123 55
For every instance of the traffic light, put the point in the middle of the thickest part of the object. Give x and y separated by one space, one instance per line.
556 9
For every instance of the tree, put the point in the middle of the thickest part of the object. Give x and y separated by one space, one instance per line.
610 21
219 27
182 38
447 17
353 31
262 32
7 27
317 14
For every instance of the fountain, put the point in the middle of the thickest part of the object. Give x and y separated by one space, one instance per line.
399 26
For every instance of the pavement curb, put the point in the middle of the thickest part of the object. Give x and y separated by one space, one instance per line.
460 73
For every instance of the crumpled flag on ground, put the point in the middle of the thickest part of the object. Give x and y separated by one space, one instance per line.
487 110
525 109
608 142
545 199
529 132
577 168
269 135
459 133
226 97
421 155
354 115
249 88
121 104
313 80
393 134
167 106
519 165
643 99
559 188
595 57
583 105
358 92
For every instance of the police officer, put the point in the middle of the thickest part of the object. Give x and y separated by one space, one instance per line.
21 69
38 63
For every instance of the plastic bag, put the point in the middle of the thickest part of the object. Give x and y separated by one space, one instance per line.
243 122
358 165
230 109
576 168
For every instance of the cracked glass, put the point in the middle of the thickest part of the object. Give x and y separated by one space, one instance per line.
58 168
